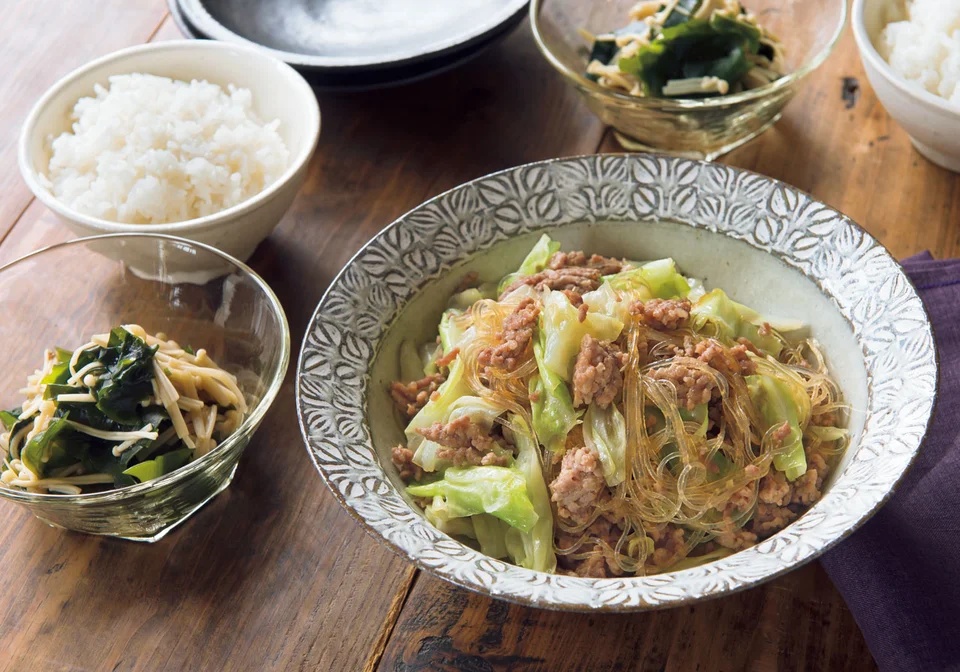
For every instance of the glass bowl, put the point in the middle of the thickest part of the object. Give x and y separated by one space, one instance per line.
697 128
61 295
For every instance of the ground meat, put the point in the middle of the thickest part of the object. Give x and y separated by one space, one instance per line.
816 461
828 419
729 535
579 487
403 460
447 359
781 433
516 335
599 543
774 489
741 500
606 265
693 385
596 374
668 545
771 518
662 314
733 360
735 538
748 345
806 489
411 397
574 298
577 279
582 313
464 442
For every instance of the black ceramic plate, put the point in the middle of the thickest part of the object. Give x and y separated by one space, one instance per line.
355 35
356 79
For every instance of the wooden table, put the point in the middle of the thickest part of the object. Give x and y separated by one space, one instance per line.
274 574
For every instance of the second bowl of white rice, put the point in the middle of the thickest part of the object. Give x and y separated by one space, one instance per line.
911 53
200 139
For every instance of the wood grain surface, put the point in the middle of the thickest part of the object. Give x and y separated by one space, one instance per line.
273 574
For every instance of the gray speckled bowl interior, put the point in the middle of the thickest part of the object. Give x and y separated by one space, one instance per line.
766 244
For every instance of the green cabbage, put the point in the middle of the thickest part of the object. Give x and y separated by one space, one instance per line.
451 335
429 353
438 515
553 412
697 415
562 332
499 491
534 262
731 321
462 301
659 277
605 432
778 404
532 549
605 301
437 410
491 533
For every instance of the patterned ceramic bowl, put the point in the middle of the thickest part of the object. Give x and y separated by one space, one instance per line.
768 244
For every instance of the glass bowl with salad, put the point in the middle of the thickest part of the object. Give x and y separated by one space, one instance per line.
695 78
129 395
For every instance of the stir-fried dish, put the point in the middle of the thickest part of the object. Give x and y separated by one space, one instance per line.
601 417
125 408
686 49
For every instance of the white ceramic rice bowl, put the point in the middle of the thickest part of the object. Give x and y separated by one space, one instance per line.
932 123
278 91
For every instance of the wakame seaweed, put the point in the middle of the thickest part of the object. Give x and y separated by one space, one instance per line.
127 378
695 48
103 415
686 49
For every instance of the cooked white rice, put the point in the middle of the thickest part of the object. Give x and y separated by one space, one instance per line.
152 150
925 48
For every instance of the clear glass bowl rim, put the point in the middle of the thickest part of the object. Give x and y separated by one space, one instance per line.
246 428
683 103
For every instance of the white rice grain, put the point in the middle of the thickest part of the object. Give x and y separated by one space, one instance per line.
925 48
152 150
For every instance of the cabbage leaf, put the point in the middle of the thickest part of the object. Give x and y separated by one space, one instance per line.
491 534
605 301
462 301
553 412
535 261
532 549
438 409
605 433
660 278
562 332
777 404
439 516
499 491
731 321
452 335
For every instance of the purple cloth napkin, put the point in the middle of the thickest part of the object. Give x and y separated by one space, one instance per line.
900 573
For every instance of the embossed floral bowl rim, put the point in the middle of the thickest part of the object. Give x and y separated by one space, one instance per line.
852 275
